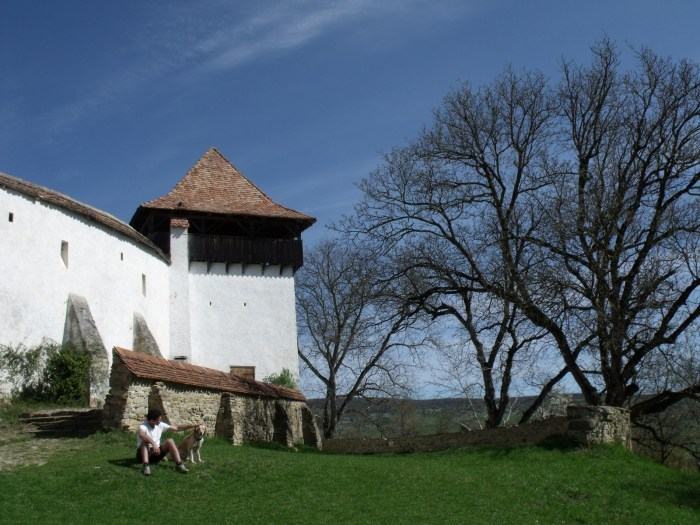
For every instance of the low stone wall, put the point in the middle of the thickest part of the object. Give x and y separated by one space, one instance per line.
595 425
529 434
127 402
244 419
182 405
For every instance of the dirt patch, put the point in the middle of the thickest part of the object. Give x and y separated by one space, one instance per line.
19 449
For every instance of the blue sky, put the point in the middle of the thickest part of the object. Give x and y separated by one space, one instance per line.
111 102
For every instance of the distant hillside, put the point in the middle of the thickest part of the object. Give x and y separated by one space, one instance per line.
381 417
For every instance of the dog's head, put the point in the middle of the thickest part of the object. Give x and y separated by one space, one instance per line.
200 431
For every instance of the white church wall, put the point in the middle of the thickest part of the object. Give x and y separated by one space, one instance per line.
46 253
243 316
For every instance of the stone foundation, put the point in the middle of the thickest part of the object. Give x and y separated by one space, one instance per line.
595 425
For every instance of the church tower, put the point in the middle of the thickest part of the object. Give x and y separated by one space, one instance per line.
233 253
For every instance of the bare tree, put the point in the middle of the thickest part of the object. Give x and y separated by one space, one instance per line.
672 435
352 328
577 205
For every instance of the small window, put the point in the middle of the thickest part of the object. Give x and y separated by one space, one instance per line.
180 358
11 217
143 284
121 256
64 253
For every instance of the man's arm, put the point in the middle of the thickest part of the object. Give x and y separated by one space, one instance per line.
178 428
145 438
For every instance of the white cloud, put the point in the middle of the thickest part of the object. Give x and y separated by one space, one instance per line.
279 29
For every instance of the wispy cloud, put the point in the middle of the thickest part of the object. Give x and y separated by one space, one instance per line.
282 28
201 38
209 37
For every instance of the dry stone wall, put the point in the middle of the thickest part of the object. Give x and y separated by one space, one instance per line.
126 407
244 419
595 425
529 434
127 402
183 405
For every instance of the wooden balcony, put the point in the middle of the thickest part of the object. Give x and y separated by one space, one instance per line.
229 249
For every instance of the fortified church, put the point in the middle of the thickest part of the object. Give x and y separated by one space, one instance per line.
203 275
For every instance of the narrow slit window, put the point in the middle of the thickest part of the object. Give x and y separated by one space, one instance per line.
180 358
11 217
64 253
121 256
143 284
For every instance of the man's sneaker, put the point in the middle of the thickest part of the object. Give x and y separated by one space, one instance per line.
182 468
146 470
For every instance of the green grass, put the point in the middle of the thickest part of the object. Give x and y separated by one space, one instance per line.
102 484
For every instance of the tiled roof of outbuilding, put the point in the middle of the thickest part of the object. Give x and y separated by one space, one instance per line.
60 200
214 185
146 366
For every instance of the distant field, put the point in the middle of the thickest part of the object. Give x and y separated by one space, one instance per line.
396 417
101 484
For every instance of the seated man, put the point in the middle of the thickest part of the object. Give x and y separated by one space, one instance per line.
148 449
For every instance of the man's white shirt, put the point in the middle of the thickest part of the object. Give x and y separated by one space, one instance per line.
152 432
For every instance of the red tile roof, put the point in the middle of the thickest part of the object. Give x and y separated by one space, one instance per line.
60 200
146 366
214 185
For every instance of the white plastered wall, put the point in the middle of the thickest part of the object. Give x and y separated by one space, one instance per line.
180 340
243 317
104 266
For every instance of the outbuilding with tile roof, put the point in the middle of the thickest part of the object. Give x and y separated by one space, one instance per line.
233 407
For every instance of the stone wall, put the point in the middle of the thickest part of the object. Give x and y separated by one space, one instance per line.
183 405
238 418
125 407
594 425
127 401
529 434
244 419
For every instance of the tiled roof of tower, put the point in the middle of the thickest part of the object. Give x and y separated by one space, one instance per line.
214 185
54 198
146 366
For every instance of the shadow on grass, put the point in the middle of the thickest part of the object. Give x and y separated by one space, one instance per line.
267 445
558 442
679 493
125 463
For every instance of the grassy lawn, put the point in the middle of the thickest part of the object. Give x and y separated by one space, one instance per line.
102 484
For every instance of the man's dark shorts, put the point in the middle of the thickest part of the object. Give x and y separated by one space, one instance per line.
153 458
